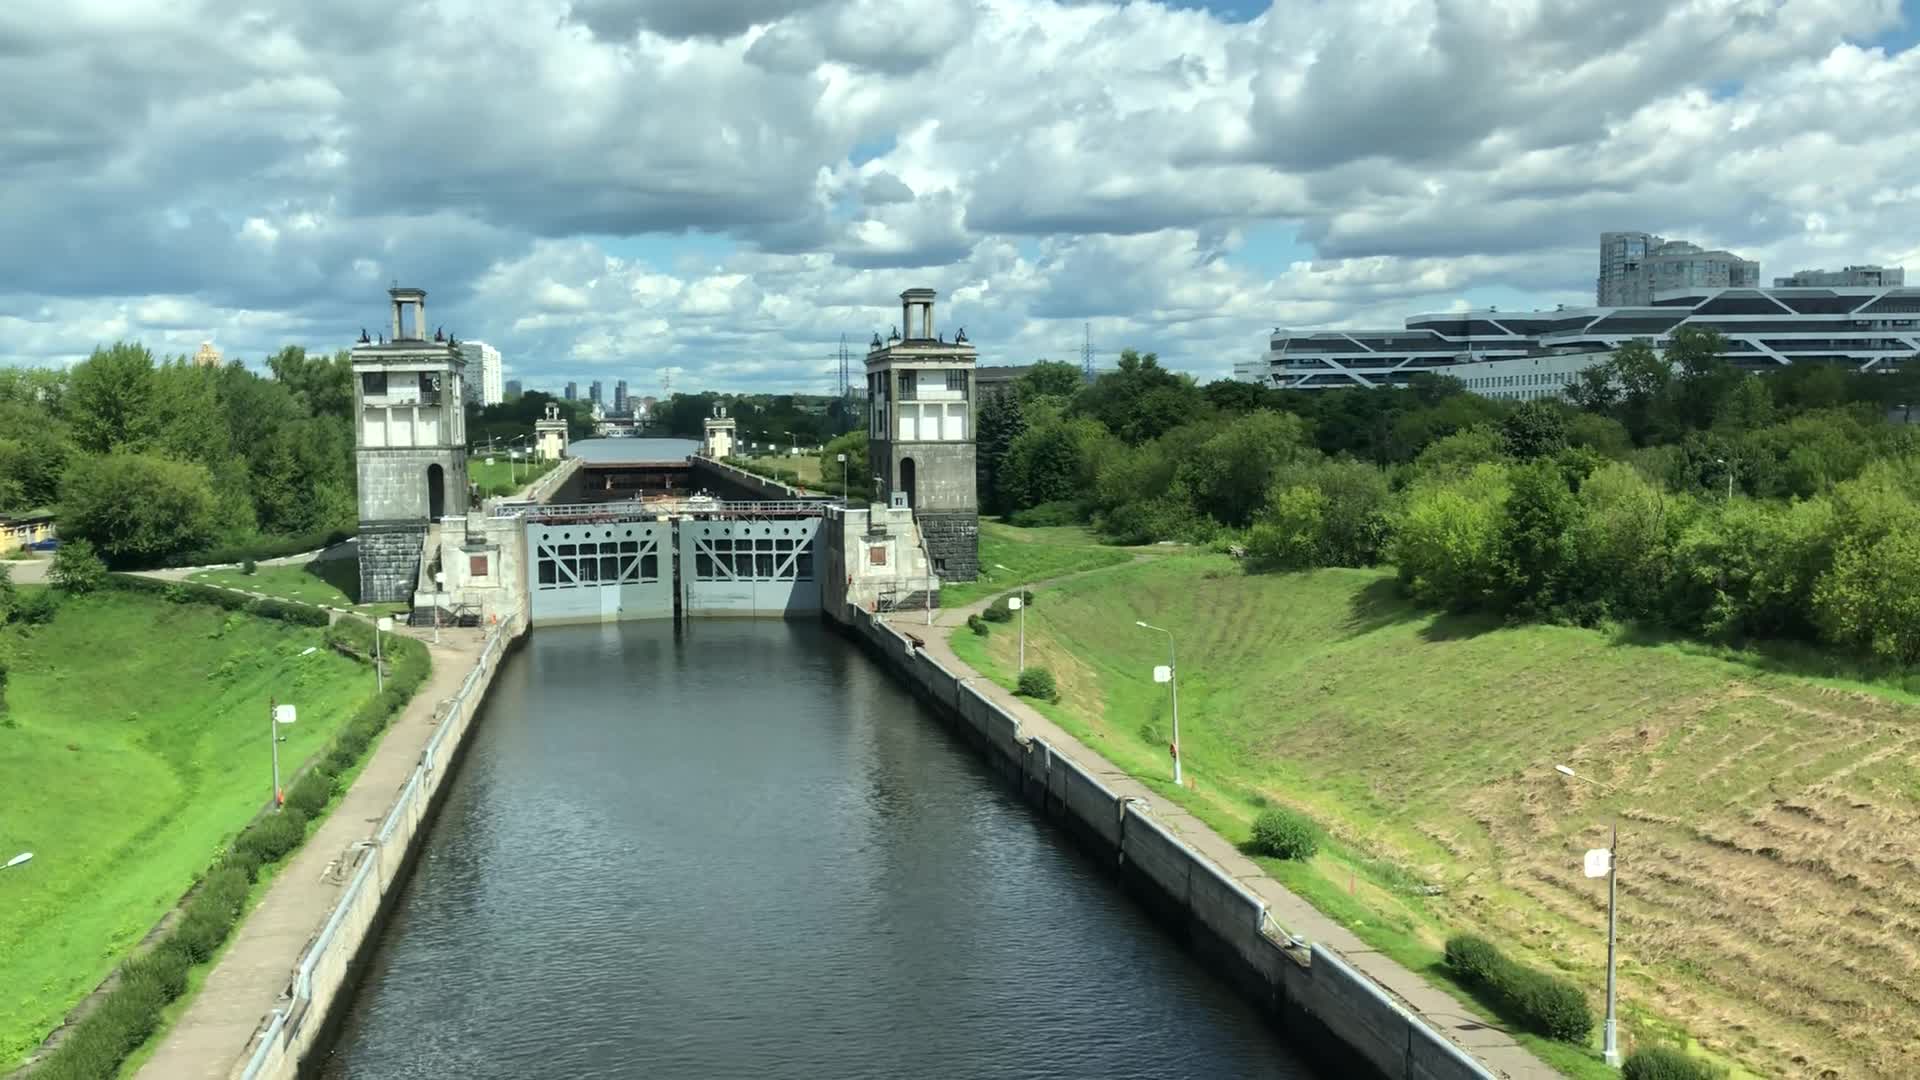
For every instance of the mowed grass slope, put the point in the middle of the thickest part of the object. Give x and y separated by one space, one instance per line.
327 582
1770 825
138 744
1011 556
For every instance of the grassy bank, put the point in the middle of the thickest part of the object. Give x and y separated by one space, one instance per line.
136 744
503 476
329 583
1769 895
1010 556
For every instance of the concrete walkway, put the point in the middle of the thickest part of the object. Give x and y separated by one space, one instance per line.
1490 1044
210 1039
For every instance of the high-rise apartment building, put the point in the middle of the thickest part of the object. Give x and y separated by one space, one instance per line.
593 393
483 386
1635 265
1852 277
620 398
572 392
512 389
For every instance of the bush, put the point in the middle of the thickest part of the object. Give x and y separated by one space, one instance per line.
37 607
274 835
978 625
262 547
1049 514
246 862
997 612
312 792
9 595
159 971
1283 834
1532 999
76 569
248 566
4 675
288 612
178 592
1666 1063
1037 682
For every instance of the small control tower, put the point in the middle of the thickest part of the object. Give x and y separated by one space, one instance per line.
550 435
410 444
920 433
719 434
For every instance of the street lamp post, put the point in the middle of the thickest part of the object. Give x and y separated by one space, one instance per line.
1019 604
277 714
845 494
382 625
18 860
439 590
1723 461
1609 1033
1173 686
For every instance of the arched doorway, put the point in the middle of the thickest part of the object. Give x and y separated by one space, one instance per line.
906 479
436 493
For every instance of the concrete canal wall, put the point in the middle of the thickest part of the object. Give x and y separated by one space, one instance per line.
1308 990
321 987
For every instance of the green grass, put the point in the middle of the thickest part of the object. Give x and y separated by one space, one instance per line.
330 582
504 470
1011 556
1768 894
806 465
135 751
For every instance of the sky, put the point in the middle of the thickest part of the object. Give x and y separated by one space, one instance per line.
623 189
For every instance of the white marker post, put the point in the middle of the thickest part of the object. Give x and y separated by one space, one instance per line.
279 714
1016 604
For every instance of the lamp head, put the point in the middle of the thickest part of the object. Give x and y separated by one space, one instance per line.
1563 770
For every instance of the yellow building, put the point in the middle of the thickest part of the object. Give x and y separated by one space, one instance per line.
19 530
208 356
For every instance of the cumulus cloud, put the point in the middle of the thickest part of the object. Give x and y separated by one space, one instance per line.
724 188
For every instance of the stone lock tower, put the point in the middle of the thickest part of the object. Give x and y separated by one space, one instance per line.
410 444
920 433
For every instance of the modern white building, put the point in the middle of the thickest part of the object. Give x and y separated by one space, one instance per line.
1865 329
484 386
1527 378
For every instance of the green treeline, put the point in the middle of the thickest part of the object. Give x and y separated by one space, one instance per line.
1615 507
153 459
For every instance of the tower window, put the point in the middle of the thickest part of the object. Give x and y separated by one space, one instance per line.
907 380
373 383
957 381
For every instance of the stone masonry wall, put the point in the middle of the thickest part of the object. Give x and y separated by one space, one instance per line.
389 561
953 541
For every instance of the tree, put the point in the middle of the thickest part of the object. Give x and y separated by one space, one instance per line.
1747 406
1230 473
1043 464
1702 377
137 509
1140 400
77 569
858 476
1539 517
1643 376
1051 378
1594 390
1000 422
1868 600
323 385
1534 430
1447 543
110 399
1234 396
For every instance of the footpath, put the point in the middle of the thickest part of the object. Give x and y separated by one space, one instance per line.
1493 1046
210 1039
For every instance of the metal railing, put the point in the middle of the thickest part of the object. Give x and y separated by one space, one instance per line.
301 995
651 508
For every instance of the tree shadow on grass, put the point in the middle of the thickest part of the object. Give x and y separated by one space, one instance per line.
1377 607
342 574
1797 659
1460 627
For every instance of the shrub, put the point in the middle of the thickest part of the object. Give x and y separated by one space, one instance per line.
264 547
247 566
1666 1063
1532 999
246 862
9 595
1284 834
4 675
158 971
312 792
996 612
1047 514
274 835
1037 682
76 569
978 625
288 612
37 607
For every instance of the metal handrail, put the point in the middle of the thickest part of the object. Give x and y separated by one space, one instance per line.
632 508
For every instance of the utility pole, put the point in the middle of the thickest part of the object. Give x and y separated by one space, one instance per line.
1086 354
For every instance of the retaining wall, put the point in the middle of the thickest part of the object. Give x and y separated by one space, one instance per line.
1326 1006
320 988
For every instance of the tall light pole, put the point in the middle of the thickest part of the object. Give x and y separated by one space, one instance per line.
277 714
1609 1034
382 625
439 590
845 494
1173 685
1018 604
1723 461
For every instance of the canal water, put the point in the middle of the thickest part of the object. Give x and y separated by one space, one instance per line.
738 849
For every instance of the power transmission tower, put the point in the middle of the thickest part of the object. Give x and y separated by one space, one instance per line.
1086 354
846 378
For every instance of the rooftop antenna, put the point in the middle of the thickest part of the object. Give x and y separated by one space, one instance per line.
1086 354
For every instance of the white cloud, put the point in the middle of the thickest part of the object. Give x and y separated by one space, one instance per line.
556 173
